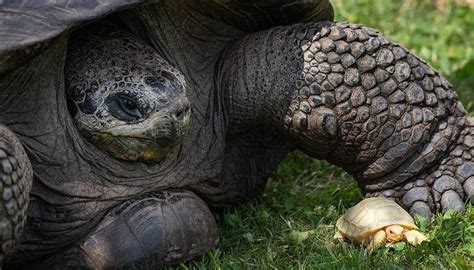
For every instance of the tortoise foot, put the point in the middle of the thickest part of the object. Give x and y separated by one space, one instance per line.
445 186
161 229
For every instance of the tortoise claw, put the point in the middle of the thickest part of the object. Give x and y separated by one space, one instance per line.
443 187
445 193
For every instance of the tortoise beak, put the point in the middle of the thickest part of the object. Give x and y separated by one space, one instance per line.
153 139
163 126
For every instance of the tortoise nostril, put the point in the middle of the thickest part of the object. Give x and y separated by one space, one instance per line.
179 115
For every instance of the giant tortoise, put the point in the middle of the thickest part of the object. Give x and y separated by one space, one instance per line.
124 121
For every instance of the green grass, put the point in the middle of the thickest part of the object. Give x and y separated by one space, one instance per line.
291 225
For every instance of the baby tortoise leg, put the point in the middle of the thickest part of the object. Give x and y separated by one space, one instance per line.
339 236
160 229
376 240
415 237
16 177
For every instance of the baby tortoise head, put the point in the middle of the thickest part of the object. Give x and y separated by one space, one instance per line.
124 97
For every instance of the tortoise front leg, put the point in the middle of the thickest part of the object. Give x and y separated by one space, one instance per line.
414 237
16 177
161 229
348 94
376 240
386 117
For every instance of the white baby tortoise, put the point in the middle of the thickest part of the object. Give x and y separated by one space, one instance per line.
375 221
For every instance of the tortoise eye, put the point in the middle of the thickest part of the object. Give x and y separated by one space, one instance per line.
130 105
123 108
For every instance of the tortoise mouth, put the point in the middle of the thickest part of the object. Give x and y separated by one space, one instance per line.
151 140
136 148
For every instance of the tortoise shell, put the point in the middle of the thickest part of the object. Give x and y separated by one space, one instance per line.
371 215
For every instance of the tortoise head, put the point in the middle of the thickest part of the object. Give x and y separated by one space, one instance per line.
394 233
125 98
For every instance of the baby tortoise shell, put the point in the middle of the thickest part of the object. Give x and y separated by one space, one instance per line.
370 215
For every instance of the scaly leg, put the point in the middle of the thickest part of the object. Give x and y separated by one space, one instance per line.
16 177
415 237
377 240
348 94
338 235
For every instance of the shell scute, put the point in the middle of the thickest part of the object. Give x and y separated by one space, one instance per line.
372 214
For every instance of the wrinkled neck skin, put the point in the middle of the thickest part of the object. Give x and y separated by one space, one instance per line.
257 80
343 93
